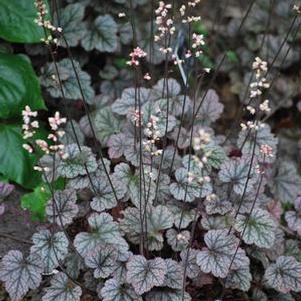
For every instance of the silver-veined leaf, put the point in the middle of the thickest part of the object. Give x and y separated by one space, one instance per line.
284 275
62 289
106 124
70 19
102 260
102 35
211 108
175 274
103 231
189 259
167 294
115 291
74 164
259 228
235 171
68 80
126 103
63 209
286 182
145 274
50 247
20 274
216 258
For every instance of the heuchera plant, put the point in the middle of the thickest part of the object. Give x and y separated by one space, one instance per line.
160 203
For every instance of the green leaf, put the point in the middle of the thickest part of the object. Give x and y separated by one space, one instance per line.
232 56
19 85
36 201
15 162
17 21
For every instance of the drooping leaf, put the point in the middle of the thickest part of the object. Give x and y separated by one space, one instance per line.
62 289
286 182
50 247
145 274
284 275
235 171
15 162
259 228
19 85
103 231
62 209
70 20
114 291
102 260
102 35
106 124
211 108
17 22
20 274
216 258
77 161
69 81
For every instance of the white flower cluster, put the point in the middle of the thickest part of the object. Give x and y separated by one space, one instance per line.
197 43
135 55
151 131
201 140
297 9
28 125
42 21
29 129
184 10
165 24
199 143
257 88
267 152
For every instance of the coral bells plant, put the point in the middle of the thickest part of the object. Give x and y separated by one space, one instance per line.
157 202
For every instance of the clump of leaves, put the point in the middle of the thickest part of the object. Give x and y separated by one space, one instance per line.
158 202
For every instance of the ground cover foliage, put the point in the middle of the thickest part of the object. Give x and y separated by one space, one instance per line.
158 143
